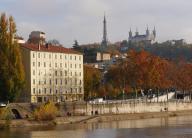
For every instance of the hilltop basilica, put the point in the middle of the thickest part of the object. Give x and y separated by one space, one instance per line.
148 37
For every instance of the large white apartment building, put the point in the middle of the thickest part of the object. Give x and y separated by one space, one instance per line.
52 73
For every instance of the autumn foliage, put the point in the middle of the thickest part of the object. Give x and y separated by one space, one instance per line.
142 70
92 80
46 112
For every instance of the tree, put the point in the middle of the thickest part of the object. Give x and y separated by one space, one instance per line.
76 44
92 80
140 71
54 42
11 68
183 77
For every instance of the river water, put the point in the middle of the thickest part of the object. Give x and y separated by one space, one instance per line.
172 127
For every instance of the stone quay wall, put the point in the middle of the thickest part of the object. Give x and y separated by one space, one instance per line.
123 107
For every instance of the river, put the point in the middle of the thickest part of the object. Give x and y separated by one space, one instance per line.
172 127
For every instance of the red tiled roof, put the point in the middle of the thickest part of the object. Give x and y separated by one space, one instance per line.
51 48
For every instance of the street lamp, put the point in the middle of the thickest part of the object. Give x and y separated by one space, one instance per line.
123 94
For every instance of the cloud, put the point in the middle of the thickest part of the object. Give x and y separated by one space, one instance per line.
67 20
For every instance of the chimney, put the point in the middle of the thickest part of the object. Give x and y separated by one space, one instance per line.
47 45
39 47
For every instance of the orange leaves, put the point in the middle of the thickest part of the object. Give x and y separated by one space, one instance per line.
92 79
183 76
142 70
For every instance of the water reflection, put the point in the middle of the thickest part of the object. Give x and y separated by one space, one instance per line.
176 127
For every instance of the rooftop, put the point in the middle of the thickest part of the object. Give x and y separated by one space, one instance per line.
49 48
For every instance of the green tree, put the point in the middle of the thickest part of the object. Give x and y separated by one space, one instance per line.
11 68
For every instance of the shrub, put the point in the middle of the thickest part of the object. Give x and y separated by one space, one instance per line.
5 114
46 112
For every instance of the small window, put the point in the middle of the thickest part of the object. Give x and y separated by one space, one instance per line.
33 64
55 64
55 56
55 73
33 55
38 55
44 64
45 90
33 81
70 57
80 90
50 81
80 82
39 91
38 64
60 65
56 81
33 72
50 90
33 90
60 56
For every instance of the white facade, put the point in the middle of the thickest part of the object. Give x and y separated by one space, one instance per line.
55 76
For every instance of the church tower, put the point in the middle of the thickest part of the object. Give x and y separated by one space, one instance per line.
104 41
136 33
130 34
147 31
154 32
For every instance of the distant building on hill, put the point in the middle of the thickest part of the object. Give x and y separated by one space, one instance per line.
37 37
19 40
147 38
96 57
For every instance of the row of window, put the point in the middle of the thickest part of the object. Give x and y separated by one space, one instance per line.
44 55
59 73
59 81
56 65
50 91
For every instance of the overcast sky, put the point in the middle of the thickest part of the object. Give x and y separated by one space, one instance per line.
67 20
